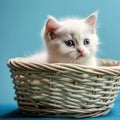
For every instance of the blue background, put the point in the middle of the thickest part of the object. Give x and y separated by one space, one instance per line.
22 20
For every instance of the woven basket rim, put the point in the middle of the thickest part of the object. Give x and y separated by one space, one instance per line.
112 68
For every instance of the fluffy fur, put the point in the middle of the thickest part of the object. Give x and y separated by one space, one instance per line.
71 40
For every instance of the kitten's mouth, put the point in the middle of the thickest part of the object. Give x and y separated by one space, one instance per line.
79 56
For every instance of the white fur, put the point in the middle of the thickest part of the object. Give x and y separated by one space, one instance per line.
38 58
56 32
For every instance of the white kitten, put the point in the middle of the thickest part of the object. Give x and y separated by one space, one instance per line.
70 40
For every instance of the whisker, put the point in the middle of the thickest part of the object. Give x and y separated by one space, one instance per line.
62 58
70 52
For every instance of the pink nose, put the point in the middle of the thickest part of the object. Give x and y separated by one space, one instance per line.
81 51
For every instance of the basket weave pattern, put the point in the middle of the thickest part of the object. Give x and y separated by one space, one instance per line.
65 90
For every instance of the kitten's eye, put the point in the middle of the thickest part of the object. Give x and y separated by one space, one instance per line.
86 41
70 43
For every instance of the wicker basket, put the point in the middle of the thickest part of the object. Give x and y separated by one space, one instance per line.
65 90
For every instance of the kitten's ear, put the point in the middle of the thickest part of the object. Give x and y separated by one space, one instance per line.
91 21
52 24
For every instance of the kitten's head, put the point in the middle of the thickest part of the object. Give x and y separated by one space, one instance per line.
74 39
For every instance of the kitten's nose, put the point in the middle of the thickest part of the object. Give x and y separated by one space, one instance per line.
81 51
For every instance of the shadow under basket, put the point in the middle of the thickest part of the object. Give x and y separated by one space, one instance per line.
65 90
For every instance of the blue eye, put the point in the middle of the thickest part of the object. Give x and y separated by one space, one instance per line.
70 43
86 41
